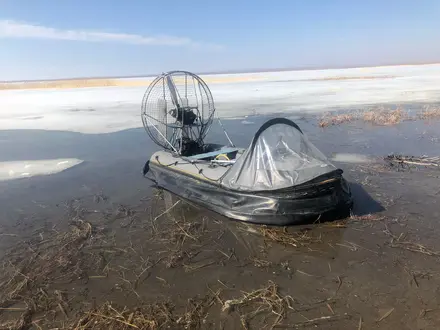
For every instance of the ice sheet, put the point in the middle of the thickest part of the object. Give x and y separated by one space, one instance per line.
110 109
351 158
29 168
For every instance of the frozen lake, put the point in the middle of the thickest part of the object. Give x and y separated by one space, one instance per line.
111 109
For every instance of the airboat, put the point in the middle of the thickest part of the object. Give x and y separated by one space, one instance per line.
281 178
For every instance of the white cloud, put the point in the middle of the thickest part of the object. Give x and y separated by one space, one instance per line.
15 29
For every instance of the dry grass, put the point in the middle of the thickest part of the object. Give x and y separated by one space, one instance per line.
429 112
170 225
331 120
366 217
30 267
105 82
73 83
273 309
360 219
402 162
51 257
402 242
260 263
181 237
265 305
282 236
148 316
181 231
383 116
36 269
376 116
266 300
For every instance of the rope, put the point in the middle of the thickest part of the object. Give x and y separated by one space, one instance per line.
222 155
170 164
200 170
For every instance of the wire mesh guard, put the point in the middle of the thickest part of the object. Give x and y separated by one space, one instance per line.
177 110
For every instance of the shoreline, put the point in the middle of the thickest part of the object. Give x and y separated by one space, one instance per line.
90 83
103 82
214 78
226 72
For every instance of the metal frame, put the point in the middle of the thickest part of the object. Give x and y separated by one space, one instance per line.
184 131
203 127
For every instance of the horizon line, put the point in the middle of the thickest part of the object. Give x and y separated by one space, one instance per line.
218 72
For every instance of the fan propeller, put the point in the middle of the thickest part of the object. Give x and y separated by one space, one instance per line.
177 111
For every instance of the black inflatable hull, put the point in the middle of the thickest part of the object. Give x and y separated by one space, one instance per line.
325 198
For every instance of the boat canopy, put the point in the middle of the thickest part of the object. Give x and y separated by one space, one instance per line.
279 156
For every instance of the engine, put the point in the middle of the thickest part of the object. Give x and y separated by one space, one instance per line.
184 115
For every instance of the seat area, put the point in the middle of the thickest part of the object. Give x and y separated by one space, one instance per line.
213 154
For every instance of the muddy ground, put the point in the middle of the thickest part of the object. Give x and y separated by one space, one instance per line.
95 247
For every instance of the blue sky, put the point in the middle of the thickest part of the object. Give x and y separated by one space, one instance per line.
42 39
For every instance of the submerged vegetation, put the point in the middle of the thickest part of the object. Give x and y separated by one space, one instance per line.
381 115
122 267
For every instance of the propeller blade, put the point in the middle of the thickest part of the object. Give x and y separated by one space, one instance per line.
173 91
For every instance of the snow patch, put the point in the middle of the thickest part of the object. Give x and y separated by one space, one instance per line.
29 168
350 158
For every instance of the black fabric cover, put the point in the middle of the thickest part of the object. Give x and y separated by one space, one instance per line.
302 204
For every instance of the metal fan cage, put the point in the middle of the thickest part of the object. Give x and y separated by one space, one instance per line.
189 91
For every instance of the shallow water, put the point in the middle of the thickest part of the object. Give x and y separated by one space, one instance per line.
113 162
356 264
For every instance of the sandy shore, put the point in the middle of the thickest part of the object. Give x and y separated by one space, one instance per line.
360 73
87 83
210 79
363 73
